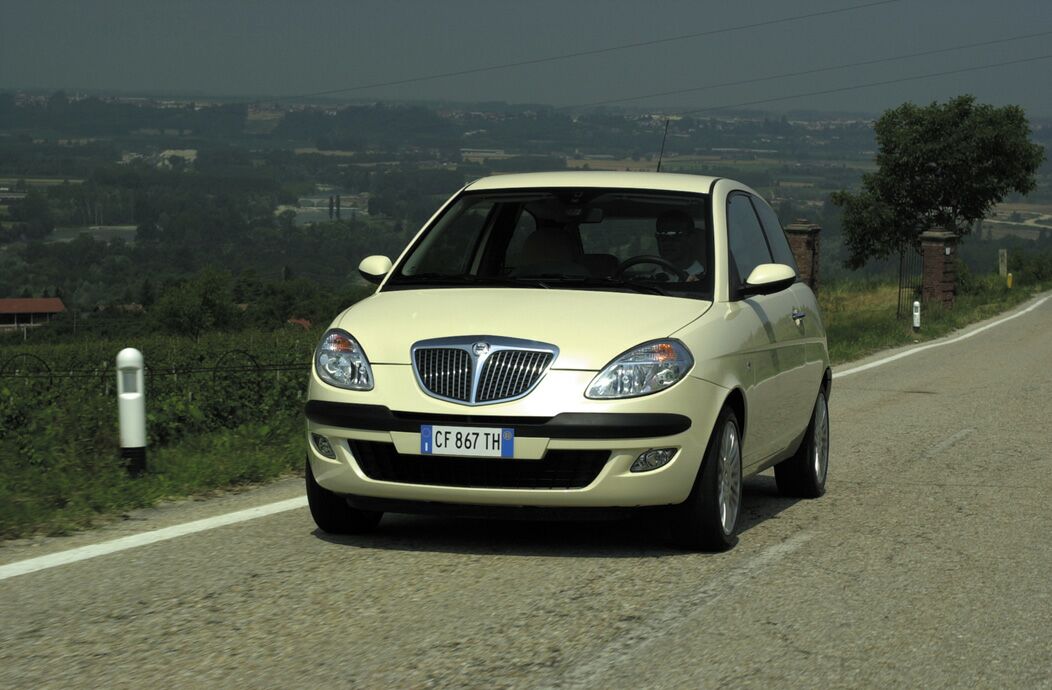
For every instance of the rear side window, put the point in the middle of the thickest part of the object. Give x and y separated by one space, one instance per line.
775 235
745 236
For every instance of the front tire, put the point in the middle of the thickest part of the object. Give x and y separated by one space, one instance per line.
804 474
708 519
332 513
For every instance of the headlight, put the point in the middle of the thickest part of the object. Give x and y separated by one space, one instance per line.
341 362
648 368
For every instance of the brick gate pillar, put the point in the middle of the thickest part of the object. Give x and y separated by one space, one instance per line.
803 240
939 249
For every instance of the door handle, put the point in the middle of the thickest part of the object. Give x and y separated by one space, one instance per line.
797 314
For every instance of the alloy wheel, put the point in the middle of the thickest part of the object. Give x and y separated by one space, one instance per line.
730 477
821 440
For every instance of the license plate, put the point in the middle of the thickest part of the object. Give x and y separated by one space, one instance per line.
472 441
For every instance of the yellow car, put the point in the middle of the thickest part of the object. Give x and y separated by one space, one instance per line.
555 344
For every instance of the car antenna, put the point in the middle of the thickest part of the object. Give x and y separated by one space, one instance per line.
663 137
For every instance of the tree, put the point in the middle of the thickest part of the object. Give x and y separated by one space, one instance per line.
146 294
942 165
203 304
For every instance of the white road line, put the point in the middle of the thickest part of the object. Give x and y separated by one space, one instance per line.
132 541
634 647
939 343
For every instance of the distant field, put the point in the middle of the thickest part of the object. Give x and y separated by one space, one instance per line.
310 150
997 232
99 232
1022 207
672 163
263 122
611 164
37 181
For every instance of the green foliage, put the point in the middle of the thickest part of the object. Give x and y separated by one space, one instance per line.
860 318
216 414
1030 268
66 492
203 304
941 165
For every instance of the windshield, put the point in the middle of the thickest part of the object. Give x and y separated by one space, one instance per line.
590 239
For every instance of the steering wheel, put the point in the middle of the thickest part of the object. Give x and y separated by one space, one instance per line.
650 259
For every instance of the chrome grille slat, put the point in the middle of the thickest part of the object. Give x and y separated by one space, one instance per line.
515 379
498 363
446 372
450 369
522 369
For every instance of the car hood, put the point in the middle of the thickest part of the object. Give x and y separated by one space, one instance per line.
589 327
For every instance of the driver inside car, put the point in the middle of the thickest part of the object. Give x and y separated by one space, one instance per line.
681 244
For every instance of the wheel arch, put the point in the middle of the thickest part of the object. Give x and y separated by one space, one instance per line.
736 401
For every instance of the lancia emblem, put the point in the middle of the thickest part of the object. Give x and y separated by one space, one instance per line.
480 349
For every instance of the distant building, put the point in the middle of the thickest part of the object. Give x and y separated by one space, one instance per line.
28 312
188 157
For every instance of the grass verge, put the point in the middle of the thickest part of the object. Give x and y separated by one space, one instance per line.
860 319
64 496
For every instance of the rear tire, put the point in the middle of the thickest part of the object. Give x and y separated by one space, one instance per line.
708 519
804 474
332 513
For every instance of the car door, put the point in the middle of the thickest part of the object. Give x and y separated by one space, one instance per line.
769 348
802 357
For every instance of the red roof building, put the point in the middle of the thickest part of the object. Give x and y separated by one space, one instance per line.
25 312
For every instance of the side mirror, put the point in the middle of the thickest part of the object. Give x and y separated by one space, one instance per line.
374 268
767 279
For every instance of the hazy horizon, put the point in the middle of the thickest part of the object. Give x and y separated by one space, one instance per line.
273 49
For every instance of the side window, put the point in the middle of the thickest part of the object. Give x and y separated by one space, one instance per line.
775 235
745 236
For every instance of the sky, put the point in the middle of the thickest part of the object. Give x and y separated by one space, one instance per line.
279 49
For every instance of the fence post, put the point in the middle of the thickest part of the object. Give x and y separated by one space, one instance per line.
131 409
940 269
803 240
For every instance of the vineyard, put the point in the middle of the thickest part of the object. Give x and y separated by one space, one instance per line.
223 410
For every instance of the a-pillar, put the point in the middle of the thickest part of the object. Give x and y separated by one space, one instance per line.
803 240
939 249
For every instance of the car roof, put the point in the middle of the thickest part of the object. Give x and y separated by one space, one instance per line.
676 182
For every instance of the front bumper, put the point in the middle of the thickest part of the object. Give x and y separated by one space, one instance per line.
615 432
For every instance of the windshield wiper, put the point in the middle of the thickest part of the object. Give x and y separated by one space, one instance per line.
464 279
432 279
546 281
644 288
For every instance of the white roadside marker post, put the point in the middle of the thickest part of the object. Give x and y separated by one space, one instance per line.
916 316
131 409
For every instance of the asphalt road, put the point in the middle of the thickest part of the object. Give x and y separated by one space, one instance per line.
927 564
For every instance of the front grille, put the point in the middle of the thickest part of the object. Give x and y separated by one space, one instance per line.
559 469
445 371
510 373
481 370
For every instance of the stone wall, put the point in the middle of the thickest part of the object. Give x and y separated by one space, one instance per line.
939 249
804 241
